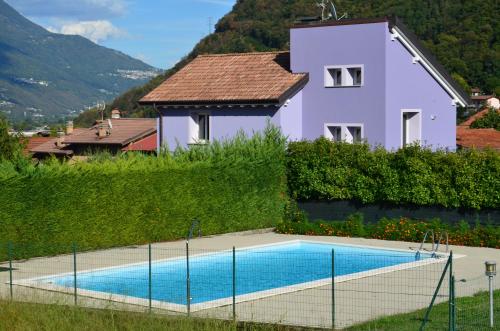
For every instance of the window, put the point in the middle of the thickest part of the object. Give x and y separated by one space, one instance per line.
356 74
350 133
203 127
411 127
335 132
354 134
199 128
344 76
335 77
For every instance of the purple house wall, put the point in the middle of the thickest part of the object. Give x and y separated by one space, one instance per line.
312 49
226 122
392 84
409 85
365 80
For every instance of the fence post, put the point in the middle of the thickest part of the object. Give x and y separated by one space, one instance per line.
333 289
453 310
428 311
234 283
74 274
450 295
188 282
150 280
9 252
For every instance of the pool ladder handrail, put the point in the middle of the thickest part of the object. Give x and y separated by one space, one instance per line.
435 244
445 234
194 223
425 239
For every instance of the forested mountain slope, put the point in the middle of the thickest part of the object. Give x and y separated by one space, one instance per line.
462 34
46 75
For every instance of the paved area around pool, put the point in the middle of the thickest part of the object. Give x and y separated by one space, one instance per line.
355 300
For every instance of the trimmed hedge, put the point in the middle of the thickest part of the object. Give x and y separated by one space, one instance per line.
135 199
323 170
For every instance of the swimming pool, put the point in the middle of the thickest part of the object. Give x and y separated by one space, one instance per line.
259 271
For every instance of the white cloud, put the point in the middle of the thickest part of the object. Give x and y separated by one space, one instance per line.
73 9
96 31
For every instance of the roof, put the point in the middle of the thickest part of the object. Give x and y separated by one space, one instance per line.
34 142
413 44
477 138
482 97
475 117
50 147
245 78
123 131
147 144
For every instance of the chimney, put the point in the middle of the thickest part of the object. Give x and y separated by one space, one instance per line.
102 130
115 114
60 142
69 128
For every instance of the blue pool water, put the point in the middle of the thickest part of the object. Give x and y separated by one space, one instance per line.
257 269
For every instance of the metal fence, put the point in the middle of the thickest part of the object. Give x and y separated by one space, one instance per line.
325 289
472 301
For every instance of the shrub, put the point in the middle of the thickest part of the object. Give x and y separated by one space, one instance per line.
11 147
134 199
490 121
397 229
324 170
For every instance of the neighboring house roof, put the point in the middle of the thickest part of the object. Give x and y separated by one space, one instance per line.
482 97
34 142
51 147
477 138
246 78
123 132
415 47
147 144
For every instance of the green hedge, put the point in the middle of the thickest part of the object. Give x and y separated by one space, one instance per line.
323 170
136 199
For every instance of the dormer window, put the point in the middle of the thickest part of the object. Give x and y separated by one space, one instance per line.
344 76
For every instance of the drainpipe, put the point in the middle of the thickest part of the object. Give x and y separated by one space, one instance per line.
160 127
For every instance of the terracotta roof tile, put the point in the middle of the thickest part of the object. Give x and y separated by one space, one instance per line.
124 131
147 144
50 147
475 117
34 142
477 138
227 78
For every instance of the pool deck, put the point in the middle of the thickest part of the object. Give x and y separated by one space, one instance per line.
356 300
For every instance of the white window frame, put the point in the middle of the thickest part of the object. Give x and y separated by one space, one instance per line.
419 133
347 78
344 127
194 128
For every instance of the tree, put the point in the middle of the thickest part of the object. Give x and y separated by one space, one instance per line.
11 146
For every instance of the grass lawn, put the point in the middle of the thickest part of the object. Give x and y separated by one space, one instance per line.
472 314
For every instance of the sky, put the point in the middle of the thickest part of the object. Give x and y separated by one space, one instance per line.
158 32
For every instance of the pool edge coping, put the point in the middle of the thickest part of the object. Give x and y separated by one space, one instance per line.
181 308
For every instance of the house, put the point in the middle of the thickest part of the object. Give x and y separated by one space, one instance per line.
480 100
113 135
477 138
351 80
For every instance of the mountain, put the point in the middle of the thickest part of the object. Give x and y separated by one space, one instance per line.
462 34
45 75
